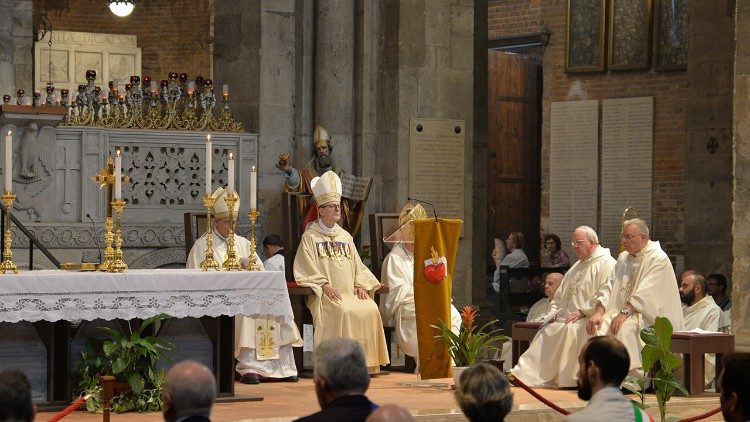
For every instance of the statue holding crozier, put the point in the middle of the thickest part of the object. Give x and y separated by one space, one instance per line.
355 190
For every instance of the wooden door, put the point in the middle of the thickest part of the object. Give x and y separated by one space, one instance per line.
514 149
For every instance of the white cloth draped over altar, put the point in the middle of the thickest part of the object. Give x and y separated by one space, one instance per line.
61 295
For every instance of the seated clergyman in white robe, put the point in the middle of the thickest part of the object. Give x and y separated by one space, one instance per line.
397 307
552 357
255 361
541 308
327 261
273 248
700 313
641 287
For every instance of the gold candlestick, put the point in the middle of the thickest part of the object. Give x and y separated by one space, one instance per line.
109 252
118 265
209 262
231 263
252 263
7 264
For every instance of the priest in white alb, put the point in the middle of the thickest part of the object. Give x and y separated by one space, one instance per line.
552 357
541 308
397 307
255 360
641 287
700 312
327 261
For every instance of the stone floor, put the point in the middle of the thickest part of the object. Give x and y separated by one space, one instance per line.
427 400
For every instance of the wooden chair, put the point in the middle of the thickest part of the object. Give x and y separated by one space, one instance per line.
195 226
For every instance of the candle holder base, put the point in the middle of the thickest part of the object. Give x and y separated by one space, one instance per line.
7 264
253 264
209 263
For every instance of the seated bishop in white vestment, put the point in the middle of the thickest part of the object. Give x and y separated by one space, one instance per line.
552 357
641 287
253 362
397 307
327 261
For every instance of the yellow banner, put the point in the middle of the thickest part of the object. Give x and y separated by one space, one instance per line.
435 248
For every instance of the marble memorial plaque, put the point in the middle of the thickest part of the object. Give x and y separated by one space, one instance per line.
627 164
113 56
436 164
574 167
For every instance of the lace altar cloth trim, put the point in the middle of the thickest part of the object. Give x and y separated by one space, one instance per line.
61 295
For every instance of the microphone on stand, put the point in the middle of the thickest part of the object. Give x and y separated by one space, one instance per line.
93 225
425 202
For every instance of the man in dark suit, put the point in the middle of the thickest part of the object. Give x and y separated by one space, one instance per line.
341 380
189 392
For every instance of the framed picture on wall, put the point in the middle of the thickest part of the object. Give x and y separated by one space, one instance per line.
629 34
670 34
584 46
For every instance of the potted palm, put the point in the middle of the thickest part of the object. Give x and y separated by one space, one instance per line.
471 343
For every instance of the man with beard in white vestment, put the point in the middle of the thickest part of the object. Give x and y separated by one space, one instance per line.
397 307
327 261
277 364
700 313
552 357
641 287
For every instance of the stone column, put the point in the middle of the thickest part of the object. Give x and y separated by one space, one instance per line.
708 156
334 76
741 204
16 46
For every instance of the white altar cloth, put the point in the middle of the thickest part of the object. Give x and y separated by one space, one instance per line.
53 295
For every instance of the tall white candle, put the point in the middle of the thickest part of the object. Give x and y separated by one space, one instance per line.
8 162
230 171
253 188
225 89
209 148
118 175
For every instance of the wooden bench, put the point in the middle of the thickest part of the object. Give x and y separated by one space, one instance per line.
693 346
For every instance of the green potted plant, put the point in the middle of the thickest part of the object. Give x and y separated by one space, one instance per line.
471 343
131 359
657 339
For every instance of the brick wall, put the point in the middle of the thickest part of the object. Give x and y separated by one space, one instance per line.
669 90
513 17
167 30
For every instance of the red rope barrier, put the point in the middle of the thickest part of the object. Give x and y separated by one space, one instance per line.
518 383
70 409
702 415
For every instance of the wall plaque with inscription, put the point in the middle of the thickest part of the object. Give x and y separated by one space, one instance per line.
436 164
114 57
627 169
574 167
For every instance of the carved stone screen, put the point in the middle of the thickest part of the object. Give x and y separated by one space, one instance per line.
112 56
627 168
436 164
574 167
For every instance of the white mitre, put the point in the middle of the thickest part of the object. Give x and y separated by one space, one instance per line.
326 188
221 210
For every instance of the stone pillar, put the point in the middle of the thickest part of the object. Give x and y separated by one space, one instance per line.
334 76
708 156
237 41
276 104
741 204
436 80
304 83
16 46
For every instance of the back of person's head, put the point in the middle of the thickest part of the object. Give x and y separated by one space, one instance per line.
610 356
341 362
189 388
518 239
720 279
273 240
390 413
483 393
15 397
734 386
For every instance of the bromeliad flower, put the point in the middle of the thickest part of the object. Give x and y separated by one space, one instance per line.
468 314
